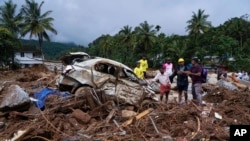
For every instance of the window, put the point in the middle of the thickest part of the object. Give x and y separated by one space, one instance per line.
106 68
22 54
130 76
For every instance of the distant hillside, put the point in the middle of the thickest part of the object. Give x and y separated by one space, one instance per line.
53 50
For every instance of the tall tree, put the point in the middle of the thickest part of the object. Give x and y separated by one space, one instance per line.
127 40
8 45
9 18
105 43
146 36
198 24
37 23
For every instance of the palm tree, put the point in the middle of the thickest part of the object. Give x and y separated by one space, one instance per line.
145 35
9 18
105 43
127 39
198 24
35 22
8 45
177 48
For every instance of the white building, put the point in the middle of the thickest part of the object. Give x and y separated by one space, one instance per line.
28 56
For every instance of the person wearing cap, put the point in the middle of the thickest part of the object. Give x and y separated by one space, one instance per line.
182 79
144 65
138 70
168 67
195 74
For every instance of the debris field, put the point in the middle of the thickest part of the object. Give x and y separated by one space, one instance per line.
71 118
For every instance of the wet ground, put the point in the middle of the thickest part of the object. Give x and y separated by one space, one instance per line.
71 119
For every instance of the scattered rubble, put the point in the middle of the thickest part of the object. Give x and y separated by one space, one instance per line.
72 118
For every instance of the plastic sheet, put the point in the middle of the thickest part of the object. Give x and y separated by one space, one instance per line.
44 93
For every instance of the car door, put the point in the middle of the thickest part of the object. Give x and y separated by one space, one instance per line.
128 89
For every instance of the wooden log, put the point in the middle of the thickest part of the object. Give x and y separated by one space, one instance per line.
139 116
198 127
111 114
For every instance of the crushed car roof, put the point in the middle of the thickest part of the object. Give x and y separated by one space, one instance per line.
78 53
94 61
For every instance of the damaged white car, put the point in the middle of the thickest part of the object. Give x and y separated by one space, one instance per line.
103 80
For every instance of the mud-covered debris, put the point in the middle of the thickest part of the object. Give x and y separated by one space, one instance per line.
114 80
81 116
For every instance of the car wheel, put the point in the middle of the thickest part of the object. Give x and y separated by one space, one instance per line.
147 103
86 92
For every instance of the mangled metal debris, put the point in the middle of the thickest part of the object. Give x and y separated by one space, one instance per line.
109 79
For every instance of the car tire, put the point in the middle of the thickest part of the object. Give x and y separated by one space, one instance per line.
86 92
147 103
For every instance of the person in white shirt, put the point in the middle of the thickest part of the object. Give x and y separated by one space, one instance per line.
245 76
165 84
239 75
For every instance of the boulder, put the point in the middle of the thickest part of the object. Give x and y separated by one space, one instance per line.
128 113
15 99
81 116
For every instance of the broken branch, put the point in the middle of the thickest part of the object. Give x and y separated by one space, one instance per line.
142 114
157 131
111 114
198 127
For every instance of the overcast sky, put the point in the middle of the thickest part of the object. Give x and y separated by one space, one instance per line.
82 21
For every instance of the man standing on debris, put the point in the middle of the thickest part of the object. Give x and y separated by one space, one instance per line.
138 71
168 67
165 83
195 74
144 65
55 69
182 79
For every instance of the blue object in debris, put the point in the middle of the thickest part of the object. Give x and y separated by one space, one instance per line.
44 93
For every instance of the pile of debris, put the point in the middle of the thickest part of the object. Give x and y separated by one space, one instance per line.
70 117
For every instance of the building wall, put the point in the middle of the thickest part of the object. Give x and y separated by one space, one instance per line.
26 54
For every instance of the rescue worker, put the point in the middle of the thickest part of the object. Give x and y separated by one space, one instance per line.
138 70
182 79
144 65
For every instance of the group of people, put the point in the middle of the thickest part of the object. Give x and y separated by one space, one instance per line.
222 74
243 75
167 72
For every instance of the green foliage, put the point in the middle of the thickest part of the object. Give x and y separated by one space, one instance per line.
8 45
231 39
35 22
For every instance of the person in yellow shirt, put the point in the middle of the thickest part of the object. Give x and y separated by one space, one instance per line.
138 71
144 65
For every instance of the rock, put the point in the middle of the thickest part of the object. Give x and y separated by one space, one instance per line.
130 108
15 99
167 138
127 113
81 116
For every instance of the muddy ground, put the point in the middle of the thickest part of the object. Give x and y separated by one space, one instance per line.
70 119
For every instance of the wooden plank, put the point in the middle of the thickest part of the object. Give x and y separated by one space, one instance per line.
139 116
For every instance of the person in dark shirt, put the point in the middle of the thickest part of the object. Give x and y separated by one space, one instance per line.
182 79
222 74
195 74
